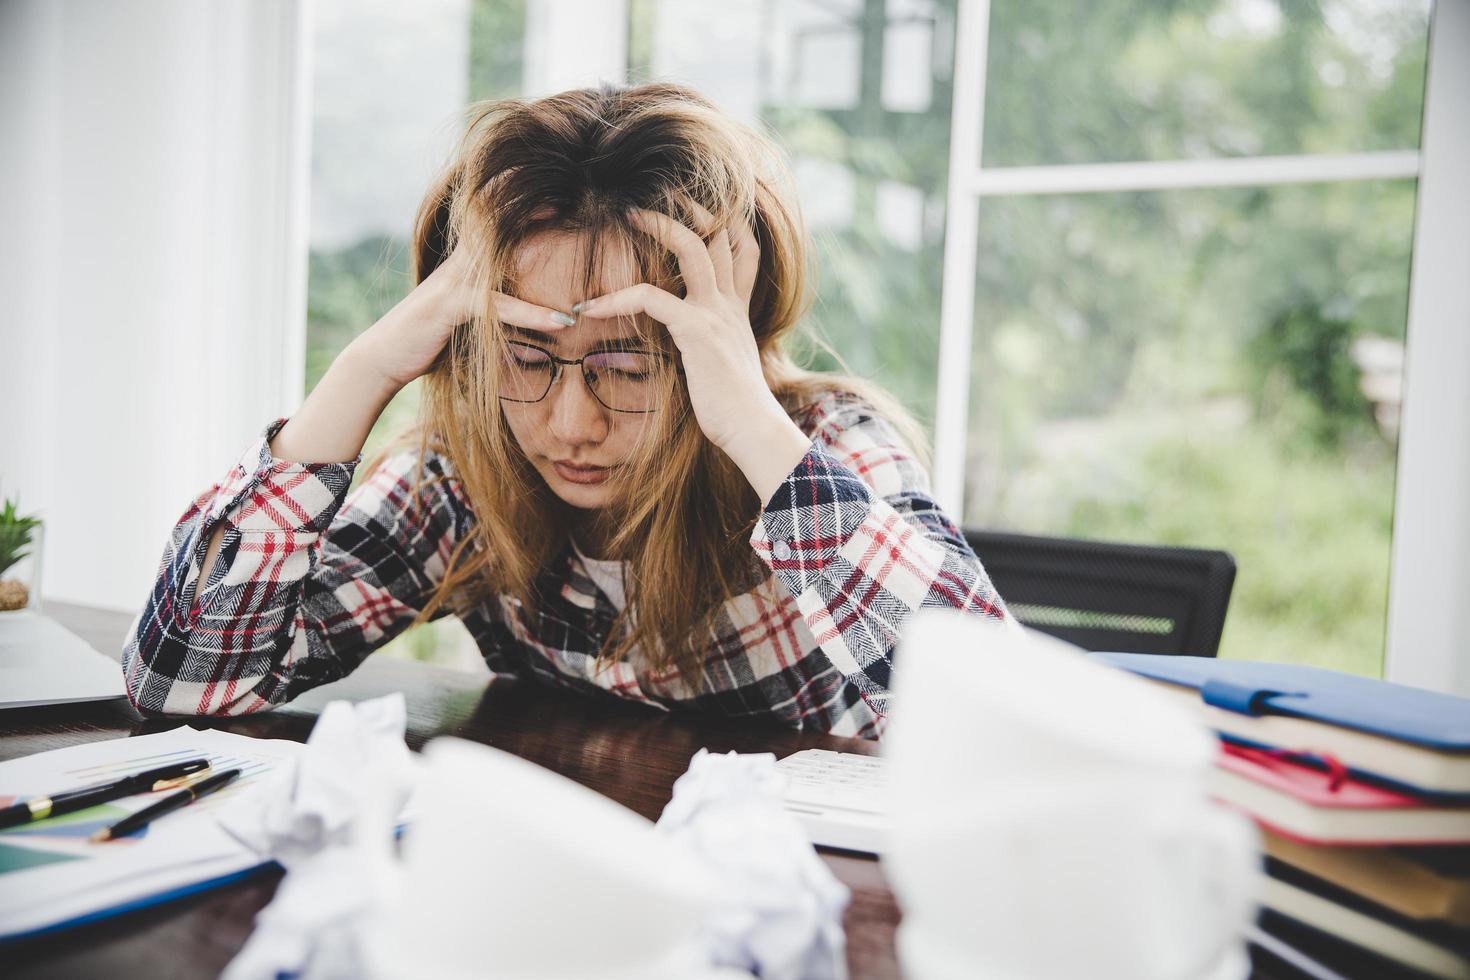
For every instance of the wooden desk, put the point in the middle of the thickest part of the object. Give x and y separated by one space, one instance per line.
630 755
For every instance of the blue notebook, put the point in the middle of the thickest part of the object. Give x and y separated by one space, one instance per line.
1410 737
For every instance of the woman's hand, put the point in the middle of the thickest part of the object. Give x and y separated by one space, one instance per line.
334 421
404 343
711 327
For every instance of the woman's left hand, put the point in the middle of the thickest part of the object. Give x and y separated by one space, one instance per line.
711 327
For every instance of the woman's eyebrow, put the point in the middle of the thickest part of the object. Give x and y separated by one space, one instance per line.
549 339
621 343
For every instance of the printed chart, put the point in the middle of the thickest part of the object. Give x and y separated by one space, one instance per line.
67 837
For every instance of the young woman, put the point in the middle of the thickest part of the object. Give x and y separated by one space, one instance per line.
620 481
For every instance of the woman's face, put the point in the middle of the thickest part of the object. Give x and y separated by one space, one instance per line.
573 440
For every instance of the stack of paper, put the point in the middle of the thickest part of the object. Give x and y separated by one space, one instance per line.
52 875
1343 774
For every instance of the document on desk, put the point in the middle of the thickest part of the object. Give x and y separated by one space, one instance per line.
51 874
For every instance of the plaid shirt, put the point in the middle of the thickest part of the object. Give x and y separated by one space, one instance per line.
309 580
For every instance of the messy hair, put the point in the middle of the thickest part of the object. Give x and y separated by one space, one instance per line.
682 513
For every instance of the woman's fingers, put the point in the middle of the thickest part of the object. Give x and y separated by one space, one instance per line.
460 298
719 247
704 222
723 261
642 297
694 259
519 313
747 260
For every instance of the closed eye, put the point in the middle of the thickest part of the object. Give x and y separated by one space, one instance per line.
633 365
527 357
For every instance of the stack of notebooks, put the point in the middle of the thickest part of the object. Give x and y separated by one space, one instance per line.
1362 792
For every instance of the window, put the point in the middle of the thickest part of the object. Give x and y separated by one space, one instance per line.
858 94
384 118
1183 234
1211 357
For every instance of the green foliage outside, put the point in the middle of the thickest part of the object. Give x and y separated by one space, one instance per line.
1176 367
1164 367
347 291
1307 352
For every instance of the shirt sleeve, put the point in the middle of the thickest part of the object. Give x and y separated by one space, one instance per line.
308 580
855 536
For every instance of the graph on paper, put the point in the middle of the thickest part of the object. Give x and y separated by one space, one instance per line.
66 838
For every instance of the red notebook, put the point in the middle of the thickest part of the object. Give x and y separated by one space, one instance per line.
1329 807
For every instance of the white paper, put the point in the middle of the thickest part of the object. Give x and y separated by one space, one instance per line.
1051 819
354 764
329 819
778 908
181 848
512 872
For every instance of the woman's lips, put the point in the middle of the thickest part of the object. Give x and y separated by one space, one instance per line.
580 474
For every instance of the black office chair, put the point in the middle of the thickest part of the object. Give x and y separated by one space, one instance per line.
1106 596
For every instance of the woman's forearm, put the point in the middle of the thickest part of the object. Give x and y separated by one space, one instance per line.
334 421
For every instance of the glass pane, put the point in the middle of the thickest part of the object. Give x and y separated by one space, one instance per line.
858 93
390 82
377 137
1117 80
1209 368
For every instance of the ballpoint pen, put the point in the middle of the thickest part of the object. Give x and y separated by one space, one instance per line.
168 804
69 801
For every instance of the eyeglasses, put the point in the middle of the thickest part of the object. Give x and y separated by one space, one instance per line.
621 380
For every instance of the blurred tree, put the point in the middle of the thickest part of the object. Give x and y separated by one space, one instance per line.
497 48
1309 351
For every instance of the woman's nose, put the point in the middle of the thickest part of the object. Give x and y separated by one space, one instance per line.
576 414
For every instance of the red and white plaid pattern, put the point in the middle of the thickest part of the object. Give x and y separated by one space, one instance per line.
310 580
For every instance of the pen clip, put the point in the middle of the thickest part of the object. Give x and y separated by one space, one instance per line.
179 782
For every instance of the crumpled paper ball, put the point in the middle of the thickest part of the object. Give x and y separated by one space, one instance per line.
1051 817
354 776
329 819
778 913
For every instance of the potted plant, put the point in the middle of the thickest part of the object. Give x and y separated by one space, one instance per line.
20 539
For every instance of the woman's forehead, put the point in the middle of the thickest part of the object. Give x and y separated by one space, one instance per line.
551 268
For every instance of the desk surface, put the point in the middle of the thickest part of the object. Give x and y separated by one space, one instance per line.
628 754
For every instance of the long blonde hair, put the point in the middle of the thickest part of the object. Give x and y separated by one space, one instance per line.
576 162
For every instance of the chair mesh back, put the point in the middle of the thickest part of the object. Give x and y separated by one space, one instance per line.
1105 596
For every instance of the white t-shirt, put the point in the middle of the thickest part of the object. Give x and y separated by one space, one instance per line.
606 575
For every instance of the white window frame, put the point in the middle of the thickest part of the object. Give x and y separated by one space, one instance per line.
1429 584
1430 570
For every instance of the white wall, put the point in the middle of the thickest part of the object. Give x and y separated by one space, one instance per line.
153 168
30 36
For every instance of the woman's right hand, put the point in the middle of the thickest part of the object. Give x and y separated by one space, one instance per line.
334 421
404 343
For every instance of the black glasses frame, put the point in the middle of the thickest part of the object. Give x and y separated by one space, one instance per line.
557 363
